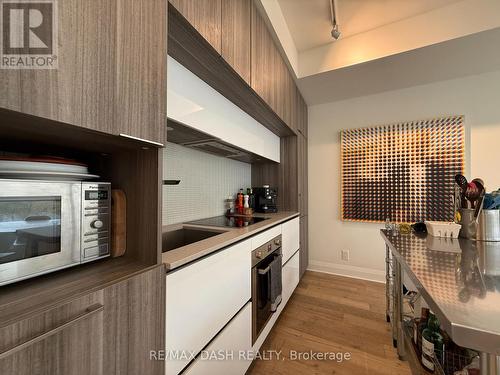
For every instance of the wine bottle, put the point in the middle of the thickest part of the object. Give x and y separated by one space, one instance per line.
251 199
432 343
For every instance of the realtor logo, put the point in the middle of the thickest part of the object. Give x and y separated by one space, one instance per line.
29 34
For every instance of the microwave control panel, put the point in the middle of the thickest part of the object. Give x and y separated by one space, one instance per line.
96 220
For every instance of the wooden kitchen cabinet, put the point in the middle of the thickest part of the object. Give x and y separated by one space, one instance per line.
141 69
302 174
304 244
271 79
66 340
134 313
265 74
205 16
110 331
236 36
111 73
302 115
270 76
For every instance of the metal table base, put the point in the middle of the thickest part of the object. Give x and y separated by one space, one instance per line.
489 363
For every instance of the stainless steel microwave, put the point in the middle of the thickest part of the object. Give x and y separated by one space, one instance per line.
50 225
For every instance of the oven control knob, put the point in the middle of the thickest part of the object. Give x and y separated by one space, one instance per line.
269 247
277 242
97 224
258 254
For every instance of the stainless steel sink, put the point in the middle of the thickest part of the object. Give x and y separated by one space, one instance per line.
181 237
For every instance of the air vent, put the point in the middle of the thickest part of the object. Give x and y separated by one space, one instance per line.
217 148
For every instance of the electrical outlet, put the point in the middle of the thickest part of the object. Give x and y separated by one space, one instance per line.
344 255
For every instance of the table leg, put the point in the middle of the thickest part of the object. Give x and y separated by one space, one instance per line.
398 308
388 277
490 364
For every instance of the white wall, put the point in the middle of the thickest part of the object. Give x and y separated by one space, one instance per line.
206 180
476 97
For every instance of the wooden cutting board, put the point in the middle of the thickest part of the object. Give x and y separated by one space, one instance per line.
118 223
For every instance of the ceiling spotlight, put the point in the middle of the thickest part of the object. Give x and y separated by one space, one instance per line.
335 32
333 14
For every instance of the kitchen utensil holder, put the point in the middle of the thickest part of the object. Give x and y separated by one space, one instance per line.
487 227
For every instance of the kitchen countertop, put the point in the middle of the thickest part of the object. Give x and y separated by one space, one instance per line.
186 254
460 280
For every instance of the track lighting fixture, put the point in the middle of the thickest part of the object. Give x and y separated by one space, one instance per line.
335 32
333 14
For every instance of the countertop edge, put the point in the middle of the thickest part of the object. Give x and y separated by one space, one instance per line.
171 266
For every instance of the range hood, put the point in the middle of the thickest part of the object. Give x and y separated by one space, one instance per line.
189 137
202 118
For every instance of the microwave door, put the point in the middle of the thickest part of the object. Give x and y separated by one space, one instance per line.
39 228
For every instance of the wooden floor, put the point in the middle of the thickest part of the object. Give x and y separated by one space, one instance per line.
330 313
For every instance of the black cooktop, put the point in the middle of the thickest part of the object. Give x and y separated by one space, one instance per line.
231 222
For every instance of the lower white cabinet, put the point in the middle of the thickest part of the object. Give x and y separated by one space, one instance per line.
290 234
290 276
229 353
201 298
263 237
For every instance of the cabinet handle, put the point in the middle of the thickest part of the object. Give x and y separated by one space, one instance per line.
141 139
91 310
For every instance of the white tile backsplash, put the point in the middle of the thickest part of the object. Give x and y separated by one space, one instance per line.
206 180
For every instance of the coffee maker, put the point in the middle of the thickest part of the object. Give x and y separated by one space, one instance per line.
266 199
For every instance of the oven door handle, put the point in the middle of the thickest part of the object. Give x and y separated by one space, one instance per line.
264 271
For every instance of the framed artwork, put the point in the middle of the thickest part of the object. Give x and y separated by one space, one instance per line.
404 172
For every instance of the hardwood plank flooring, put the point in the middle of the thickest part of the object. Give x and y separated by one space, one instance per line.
330 313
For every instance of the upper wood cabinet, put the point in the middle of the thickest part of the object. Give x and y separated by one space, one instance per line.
111 73
266 70
236 36
205 16
302 115
271 78
141 68
240 34
302 174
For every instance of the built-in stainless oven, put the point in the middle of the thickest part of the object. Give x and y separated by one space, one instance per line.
49 225
266 284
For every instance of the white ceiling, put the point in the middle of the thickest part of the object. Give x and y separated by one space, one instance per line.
309 20
452 59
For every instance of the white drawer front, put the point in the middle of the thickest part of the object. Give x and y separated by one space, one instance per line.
202 297
235 338
263 237
290 277
290 232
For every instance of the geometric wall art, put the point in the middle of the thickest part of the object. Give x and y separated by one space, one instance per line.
404 172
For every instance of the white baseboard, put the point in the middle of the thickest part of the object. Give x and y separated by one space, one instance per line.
348 271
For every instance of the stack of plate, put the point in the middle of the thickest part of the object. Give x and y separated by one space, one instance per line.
44 168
